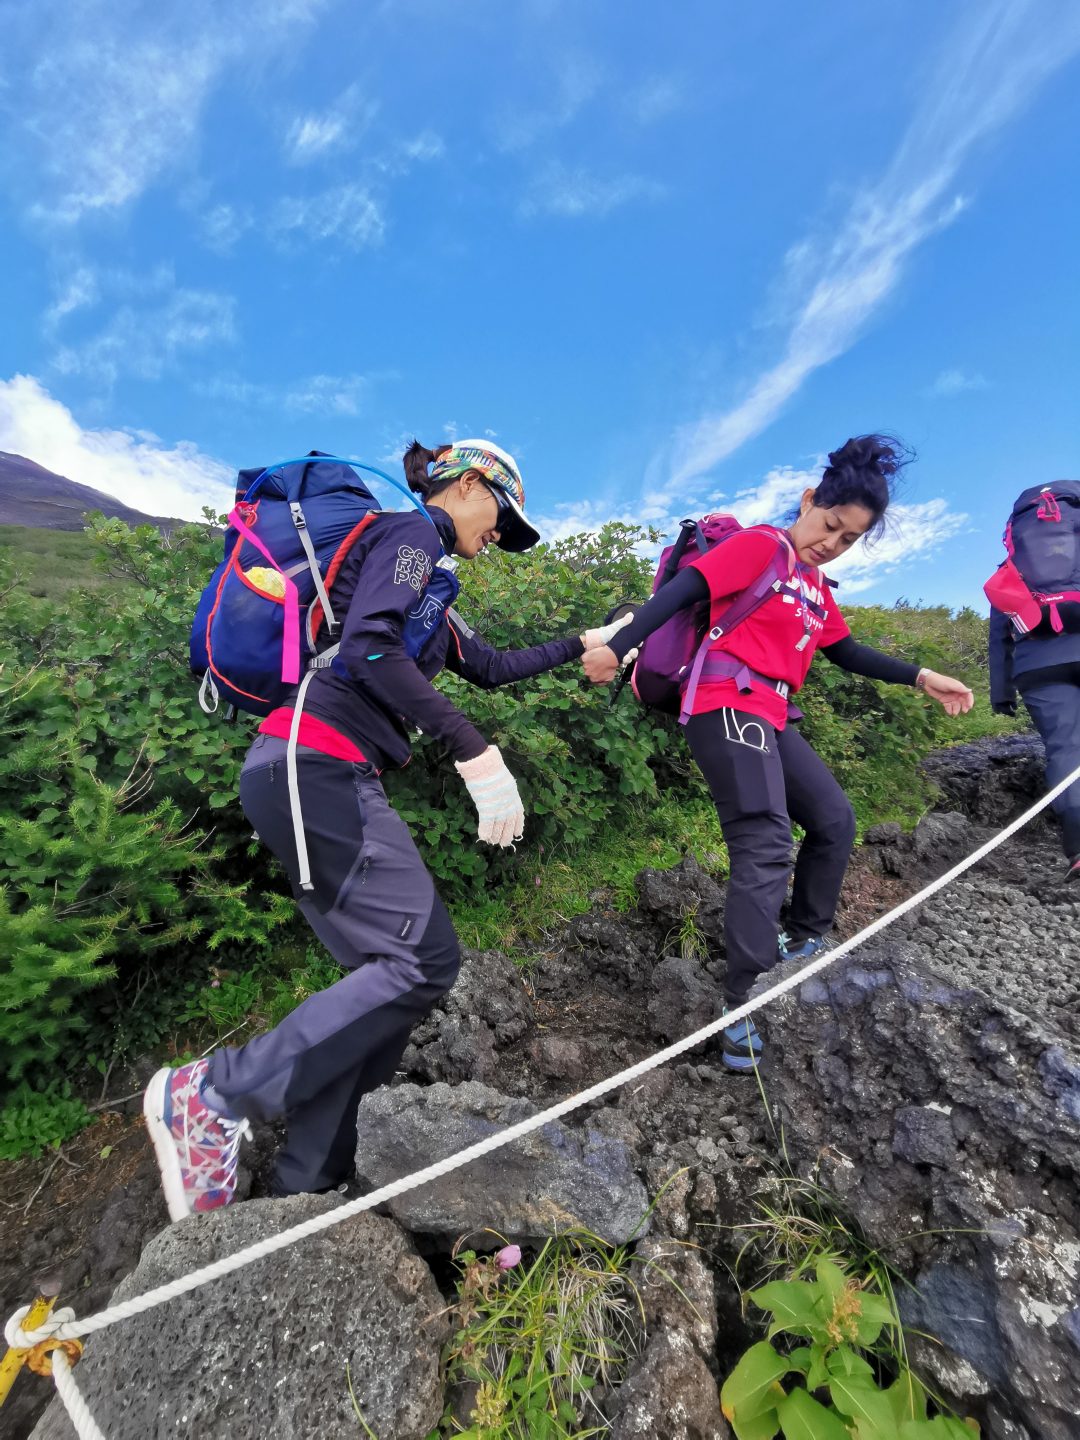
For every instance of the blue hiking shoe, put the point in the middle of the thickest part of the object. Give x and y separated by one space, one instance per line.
805 950
742 1045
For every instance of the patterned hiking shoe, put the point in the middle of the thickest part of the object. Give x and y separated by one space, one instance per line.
805 950
1073 872
196 1148
742 1045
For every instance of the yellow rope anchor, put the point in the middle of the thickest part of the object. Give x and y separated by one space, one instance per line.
35 1357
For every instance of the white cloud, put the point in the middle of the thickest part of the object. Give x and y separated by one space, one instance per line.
80 291
112 93
147 338
576 79
400 157
224 226
573 193
656 99
310 395
138 469
349 214
325 395
955 382
914 533
995 61
337 128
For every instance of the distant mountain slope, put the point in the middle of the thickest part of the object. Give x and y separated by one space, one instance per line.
31 495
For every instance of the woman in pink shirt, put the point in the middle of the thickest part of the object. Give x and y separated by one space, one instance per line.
760 771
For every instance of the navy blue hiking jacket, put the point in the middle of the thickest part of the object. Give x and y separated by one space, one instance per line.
1020 661
375 690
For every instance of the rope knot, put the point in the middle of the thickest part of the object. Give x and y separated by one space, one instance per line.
29 1340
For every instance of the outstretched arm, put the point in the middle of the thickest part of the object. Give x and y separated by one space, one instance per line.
952 694
471 657
688 588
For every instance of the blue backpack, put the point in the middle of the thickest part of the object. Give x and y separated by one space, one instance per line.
267 614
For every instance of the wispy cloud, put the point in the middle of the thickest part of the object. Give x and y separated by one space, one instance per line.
655 99
337 128
916 532
156 325
955 382
139 469
112 96
79 291
992 65
400 157
568 88
223 227
574 193
349 214
311 395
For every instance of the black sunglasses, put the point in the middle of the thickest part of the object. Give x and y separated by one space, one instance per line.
505 513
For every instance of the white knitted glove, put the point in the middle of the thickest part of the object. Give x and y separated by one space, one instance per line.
604 634
495 794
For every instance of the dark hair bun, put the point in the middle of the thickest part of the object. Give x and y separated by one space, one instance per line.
862 472
870 452
416 460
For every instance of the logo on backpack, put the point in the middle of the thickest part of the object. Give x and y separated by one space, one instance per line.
1041 572
267 613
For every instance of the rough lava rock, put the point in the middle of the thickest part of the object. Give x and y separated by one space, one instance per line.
552 1180
264 1351
488 1007
948 1125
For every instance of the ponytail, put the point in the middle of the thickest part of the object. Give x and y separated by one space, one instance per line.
416 460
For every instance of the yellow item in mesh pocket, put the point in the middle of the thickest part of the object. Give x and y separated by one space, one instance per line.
267 580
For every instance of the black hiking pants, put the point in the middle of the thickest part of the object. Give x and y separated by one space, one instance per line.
1052 698
761 781
375 909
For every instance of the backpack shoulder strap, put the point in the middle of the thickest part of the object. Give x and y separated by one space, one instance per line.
781 567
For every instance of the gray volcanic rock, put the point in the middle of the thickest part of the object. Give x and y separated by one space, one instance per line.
487 1007
271 1349
948 1125
553 1180
671 1395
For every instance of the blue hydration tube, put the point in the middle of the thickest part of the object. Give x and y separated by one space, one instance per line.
338 460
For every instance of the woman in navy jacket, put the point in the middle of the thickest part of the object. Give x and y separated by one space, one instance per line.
369 898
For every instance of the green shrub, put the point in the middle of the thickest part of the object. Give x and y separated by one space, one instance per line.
32 1120
122 845
774 1390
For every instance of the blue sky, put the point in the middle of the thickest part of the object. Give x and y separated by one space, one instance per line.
669 256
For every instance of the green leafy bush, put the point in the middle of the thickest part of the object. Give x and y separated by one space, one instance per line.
32 1120
774 1391
122 845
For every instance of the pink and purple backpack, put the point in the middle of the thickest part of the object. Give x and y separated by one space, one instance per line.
1041 572
672 657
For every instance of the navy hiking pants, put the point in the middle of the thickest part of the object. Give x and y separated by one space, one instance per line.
1053 702
375 908
760 781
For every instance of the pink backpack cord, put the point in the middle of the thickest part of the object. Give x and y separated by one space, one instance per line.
290 650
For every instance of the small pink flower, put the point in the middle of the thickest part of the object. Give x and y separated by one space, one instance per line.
508 1257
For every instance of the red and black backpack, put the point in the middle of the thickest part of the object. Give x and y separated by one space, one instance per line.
1040 575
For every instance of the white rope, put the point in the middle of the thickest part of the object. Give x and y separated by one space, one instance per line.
139 1304
86 1427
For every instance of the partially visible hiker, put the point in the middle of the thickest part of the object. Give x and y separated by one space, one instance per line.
1035 636
760 771
369 899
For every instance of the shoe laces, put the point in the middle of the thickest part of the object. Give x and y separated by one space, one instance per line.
211 1142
